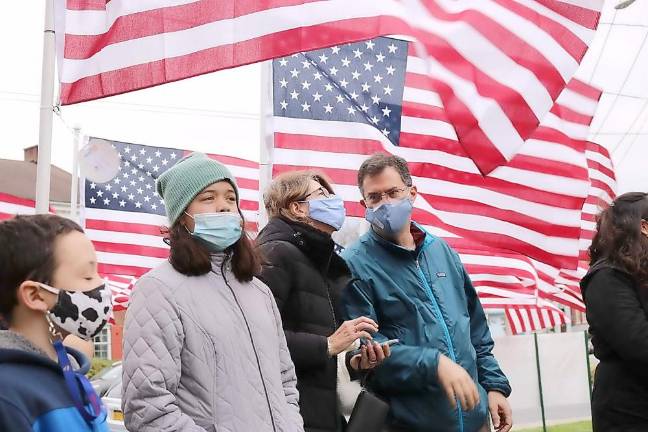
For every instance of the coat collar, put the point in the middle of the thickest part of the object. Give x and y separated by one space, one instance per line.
318 246
422 238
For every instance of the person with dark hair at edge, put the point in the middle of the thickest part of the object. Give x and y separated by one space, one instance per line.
615 291
204 347
49 289
442 376
307 278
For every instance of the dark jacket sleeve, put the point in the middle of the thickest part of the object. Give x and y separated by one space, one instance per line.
306 349
409 368
615 313
12 418
489 373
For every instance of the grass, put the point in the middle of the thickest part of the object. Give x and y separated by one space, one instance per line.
97 365
585 426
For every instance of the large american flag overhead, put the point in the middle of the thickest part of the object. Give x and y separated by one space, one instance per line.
125 216
497 65
519 230
334 107
477 95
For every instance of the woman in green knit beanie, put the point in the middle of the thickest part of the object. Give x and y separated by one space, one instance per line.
204 347
200 185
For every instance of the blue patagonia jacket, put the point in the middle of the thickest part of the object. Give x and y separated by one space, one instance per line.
425 299
33 395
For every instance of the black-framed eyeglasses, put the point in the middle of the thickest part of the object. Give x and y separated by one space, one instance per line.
377 197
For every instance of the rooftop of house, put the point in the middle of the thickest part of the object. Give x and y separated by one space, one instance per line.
18 178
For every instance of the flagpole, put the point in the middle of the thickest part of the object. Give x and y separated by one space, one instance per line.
267 138
74 187
46 112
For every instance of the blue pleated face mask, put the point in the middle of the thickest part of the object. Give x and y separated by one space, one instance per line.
218 230
390 218
329 211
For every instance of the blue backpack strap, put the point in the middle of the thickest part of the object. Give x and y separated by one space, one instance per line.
76 382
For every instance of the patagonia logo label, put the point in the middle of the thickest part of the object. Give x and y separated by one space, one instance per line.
441 274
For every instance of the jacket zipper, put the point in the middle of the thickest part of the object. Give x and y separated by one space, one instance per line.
330 301
256 354
446 332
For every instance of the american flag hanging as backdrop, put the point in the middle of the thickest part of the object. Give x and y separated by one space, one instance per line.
497 65
335 107
515 229
124 217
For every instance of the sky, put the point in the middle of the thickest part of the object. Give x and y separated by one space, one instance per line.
220 112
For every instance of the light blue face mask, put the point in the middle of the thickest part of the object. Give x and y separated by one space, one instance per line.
390 218
329 211
218 230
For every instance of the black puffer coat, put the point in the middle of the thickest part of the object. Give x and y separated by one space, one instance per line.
617 312
307 277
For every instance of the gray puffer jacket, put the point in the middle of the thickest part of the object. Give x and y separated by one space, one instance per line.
191 363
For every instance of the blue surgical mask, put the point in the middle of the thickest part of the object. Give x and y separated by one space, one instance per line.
218 230
329 211
390 218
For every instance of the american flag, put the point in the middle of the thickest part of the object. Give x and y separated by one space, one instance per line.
526 289
515 229
497 65
124 217
11 205
334 107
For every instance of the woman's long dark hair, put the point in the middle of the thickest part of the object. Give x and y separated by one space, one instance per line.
618 236
192 258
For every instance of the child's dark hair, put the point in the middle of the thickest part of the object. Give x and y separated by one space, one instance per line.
27 253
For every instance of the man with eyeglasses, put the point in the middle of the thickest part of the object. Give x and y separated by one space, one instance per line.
442 376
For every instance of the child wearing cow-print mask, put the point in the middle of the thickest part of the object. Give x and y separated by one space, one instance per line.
49 288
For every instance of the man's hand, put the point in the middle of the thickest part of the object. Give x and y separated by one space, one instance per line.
457 384
371 356
500 411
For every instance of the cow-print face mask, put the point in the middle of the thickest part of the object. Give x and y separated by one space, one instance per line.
83 314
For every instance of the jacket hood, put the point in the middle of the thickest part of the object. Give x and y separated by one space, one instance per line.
14 348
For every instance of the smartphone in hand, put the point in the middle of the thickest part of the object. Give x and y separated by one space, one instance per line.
364 342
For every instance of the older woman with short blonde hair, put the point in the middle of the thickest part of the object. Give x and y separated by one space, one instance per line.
307 278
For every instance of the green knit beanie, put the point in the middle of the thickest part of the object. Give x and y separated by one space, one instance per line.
180 184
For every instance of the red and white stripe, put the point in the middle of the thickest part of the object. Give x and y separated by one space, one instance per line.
498 65
11 205
526 318
602 193
121 288
510 283
500 275
129 243
531 206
